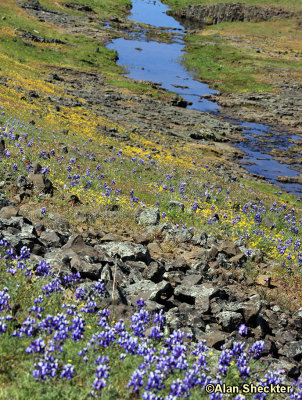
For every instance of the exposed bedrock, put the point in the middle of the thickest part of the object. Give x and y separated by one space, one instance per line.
230 12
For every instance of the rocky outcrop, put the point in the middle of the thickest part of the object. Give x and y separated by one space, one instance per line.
205 296
229 12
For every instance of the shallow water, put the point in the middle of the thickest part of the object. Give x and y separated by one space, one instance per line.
149 60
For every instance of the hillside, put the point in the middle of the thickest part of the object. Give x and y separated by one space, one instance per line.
117 201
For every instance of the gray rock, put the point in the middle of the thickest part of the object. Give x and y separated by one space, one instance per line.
154 272
229 320
228 248
187 294
41 183
184 235
28 232
51 238
148 290
78 246
200 239
214 339
173 320
126 251
149 217
209 255
22 182
177 205
204 293
13 240
90 271
174 277
201 266
291 368
135 276
251 311
293 350
36 167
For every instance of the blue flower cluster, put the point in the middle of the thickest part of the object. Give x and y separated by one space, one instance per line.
169 366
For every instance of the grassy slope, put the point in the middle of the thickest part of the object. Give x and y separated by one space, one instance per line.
23 67
79 52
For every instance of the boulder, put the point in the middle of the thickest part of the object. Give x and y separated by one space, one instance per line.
229 320
77 245
214 339
183 235
199 295
126 251
148 291
176 205
293 350
149 217
200 239
87 270
154 272
8 212
155 250
51 238
41 183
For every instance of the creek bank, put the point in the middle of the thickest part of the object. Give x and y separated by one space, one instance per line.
145 114
229 12
278 110
202 288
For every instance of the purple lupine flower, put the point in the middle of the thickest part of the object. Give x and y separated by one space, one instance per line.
136 381
99 286
37 346
27 328
24 253
43 268
101 373
80 294
243 330
46 367
77 328
67 371
4 299
257 348
224 361
3 325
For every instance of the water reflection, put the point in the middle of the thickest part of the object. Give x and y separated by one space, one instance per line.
149 60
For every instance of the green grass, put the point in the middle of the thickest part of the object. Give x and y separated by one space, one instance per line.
80 52
225 67
227 55
269 189
104 8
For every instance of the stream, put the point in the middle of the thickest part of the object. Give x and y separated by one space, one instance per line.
147 59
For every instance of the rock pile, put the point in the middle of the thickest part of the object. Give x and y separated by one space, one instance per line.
205 297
